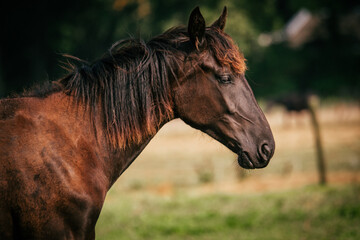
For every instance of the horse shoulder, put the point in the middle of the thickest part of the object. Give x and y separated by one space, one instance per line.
48 170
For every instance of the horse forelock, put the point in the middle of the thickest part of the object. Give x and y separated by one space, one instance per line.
225 50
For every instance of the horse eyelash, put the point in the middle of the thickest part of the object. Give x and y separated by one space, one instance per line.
224 78
219 77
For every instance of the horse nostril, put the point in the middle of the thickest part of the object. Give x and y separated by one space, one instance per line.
265 152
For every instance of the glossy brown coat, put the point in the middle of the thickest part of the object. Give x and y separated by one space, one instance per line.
62 149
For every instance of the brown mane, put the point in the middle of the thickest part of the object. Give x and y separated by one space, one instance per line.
131 82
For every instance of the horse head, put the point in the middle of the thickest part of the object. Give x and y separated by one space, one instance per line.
212 94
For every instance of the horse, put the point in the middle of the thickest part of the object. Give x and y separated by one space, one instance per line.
63 147
292 102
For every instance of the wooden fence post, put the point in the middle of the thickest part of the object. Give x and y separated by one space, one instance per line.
318 143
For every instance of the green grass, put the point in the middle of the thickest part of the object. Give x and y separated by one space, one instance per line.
308 213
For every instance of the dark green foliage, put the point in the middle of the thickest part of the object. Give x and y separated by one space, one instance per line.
34 34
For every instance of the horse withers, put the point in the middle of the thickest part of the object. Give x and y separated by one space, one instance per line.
62 148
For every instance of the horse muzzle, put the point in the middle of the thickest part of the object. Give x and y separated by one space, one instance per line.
260 160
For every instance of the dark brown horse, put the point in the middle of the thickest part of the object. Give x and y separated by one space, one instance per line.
61 149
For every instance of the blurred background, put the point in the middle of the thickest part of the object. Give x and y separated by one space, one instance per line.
304 68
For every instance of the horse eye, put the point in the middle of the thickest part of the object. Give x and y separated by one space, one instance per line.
224 78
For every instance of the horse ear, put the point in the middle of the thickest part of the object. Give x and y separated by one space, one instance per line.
196 28
220 23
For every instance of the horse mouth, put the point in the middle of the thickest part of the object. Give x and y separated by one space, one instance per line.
244 161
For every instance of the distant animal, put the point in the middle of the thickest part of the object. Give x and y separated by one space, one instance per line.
294 105
292 102
62 149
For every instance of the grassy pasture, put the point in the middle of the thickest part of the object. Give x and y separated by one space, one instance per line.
306 213
187 186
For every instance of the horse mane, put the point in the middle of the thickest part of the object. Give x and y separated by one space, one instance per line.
130 84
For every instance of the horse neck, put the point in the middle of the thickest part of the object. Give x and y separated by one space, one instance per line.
86 136
121 159
124 131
